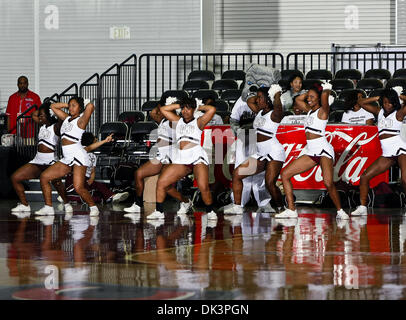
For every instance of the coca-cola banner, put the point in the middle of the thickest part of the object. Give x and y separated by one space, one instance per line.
356 147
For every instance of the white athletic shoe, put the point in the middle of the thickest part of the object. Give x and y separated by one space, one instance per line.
212 215
156 223
212 223
359 221
266 208
286 222
156 215
234 209
234 220
342 223
135 217
59 199
94 211
134 208
184 219
45 211
46 220
21 208
21 215
185 207
68 216
360 211
120 197
68 208
342 215
94 221
287 213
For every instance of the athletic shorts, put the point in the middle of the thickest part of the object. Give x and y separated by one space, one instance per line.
270 150
75 154
44 159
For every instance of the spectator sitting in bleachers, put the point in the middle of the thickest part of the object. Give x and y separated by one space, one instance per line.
295 90
90 143
354 114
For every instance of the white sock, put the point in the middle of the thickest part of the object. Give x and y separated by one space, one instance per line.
93 207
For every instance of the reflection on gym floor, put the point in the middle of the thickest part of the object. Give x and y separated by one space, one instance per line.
253 256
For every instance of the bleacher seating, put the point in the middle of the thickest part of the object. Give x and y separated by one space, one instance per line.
231 96
342 84
335 116
224 84
399 73
308 83
205 75
369 84
179 94
193 85
394 82
320 74
381 74
205 93
234 75
130 117
351 74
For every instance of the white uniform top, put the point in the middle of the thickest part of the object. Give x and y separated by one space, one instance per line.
264 125
47 136
71 131
165 131
357 117
388 124
242 112
314 124
188 131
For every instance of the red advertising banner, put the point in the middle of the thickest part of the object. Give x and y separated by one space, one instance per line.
356 147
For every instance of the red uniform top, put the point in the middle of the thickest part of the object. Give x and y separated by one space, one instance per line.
16 105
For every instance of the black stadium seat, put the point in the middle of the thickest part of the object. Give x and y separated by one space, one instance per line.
179 94
308 83
343 94
141 130
396 82
352 74
206 93
231 95
193 85
369 84
224 84
400 73
221 106
205 75
381 74
234 75
321 74
342 84
114 149
149 105
130 117
335 116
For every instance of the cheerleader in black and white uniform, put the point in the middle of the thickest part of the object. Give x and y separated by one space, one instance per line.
48 139
189 155
390 119
270 154
165 144
74 155
317 151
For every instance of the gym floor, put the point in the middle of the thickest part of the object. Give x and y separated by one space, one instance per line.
252 256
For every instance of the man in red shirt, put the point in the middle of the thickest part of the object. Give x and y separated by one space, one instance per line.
19 102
